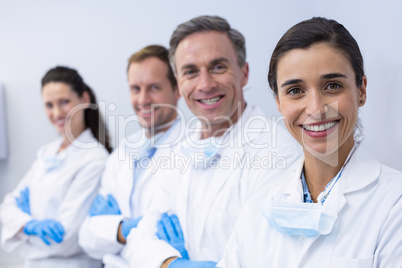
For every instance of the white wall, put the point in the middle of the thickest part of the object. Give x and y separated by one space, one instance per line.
97 37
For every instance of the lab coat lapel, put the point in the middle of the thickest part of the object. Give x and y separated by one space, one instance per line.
361 171
127 173
291 190
332 206
220 177
182 198
233 153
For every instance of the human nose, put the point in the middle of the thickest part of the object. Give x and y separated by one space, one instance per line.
143 97
205 81
57 111
316 106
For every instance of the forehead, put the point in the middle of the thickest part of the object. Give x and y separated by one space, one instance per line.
204 47
150 70
312 62
56 90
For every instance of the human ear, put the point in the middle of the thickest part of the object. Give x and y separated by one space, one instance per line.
278 104
245 71
86 98
363 92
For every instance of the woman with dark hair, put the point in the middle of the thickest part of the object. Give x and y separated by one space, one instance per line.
41 217
338 206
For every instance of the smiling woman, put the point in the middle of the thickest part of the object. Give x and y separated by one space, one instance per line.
41 217
321 213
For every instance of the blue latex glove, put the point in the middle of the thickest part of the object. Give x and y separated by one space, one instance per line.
102 206
44 229
169 229
128 224
182 263
23 201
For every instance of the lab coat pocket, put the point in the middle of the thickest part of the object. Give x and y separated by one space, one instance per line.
352 263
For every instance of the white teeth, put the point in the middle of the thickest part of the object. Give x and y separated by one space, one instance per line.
210 101
322 127
146 111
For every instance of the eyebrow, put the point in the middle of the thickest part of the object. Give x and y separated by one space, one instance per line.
188 66
325 76
212 62
291 82
218 60
333 75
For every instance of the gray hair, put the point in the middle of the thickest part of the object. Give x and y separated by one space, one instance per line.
205 24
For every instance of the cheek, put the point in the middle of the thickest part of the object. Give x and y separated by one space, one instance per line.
133 99
289 111
349 109
182 90
49 113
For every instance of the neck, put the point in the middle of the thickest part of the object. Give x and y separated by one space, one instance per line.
318 172
67 140
161 128
218 128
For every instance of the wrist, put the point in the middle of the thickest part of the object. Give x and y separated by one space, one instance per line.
167 262
120 237
27 228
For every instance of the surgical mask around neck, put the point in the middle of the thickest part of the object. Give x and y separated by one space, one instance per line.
203 155
299 219
51 162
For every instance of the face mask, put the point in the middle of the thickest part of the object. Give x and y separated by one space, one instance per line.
301 219
203 157
51 162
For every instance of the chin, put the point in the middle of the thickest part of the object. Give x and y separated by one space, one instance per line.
322 151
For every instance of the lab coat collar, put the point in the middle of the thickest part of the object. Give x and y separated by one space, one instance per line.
251 118
51 150
361 171
52 159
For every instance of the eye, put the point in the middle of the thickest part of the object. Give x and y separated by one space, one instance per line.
294 91
135 88
48 105
218 68
64 101
189 72
334 86
155 87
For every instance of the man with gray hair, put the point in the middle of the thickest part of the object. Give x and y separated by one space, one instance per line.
209 61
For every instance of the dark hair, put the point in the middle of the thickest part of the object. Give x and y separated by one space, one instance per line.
93 118
205 24
159 52
313 31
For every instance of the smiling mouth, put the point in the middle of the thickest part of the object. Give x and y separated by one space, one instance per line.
211 100
320 127
60 122
145 111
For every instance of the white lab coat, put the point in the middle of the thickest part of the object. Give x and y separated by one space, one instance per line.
230 186
367 233
98 234
63 194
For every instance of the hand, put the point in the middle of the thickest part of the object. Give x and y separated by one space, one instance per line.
102 206
23 201
128 224
182 263
44 229
169 230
